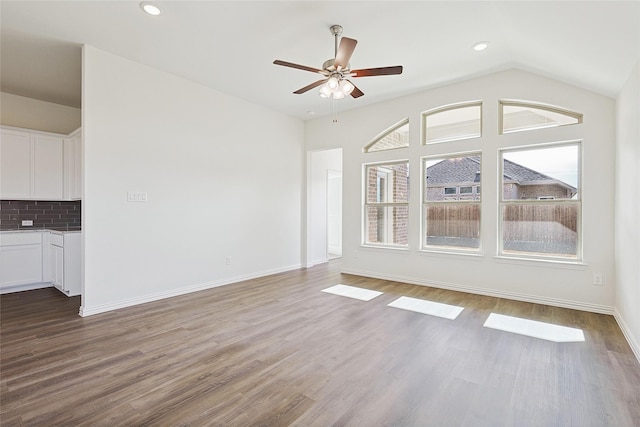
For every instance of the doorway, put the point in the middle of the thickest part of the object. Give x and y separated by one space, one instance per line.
324 206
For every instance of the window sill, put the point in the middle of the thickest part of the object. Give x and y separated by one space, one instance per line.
534 262
392 248
474 256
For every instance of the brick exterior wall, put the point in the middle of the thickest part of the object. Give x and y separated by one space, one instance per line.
64 216
533 192
436 193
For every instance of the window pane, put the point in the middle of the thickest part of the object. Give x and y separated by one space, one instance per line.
453 226
541 174
549 229
387 225
398 137
453 124
519 117
446 176
388 183
466 190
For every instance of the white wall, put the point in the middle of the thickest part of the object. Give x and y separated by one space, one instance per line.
627 249
318 165
32 113
556 284
223 178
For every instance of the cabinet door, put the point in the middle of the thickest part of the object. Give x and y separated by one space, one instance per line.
15 165
73 167
72 264
20 264
48 176
57 266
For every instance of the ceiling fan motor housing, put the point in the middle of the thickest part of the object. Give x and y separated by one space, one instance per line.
329 66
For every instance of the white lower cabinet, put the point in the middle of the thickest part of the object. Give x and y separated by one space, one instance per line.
20 259
56 265
31 260
64 262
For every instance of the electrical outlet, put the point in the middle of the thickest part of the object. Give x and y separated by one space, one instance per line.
27 223
228 260
355 254
597 279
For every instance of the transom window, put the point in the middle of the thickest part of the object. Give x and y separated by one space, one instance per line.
453 122
397 136
540 207
386 210
519 116
451 206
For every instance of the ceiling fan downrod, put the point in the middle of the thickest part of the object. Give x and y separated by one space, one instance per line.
336 31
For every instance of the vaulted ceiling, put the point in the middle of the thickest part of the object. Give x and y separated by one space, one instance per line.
230 46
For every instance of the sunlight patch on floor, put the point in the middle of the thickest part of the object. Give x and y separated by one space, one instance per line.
427 307
535 329
352 292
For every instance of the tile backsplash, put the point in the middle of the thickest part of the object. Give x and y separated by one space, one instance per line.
44 214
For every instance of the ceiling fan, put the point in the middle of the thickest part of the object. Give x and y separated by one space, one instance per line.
336 71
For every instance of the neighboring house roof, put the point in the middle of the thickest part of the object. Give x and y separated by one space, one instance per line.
456 170
467 169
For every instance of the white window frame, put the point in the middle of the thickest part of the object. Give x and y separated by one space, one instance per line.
424 205
578 259
377 138
442 109
538 106
366 204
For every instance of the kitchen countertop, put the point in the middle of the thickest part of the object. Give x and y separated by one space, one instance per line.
34 230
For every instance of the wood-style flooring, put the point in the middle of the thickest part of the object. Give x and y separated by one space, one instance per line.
277 351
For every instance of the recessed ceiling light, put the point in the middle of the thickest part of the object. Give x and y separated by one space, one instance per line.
150 8
480 46
311 113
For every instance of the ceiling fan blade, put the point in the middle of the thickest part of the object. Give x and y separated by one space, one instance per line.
356 93
298 66
382 71
309 87
345 50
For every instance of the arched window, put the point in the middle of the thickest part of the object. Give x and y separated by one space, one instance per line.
518 116
452 122
397 136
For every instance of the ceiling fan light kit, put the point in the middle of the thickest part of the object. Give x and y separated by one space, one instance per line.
336 71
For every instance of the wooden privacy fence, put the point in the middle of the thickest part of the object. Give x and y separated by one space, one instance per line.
451 220
541 223
534 223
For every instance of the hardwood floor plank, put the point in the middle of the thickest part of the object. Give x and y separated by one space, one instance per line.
277 351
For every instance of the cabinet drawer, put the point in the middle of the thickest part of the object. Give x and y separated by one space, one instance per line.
13 239
56 240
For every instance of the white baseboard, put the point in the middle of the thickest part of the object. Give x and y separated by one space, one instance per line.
635 346
556 302
316 262
89 311
27 287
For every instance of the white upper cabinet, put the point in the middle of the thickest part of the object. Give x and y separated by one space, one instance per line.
73 166
39 165
15 164
48 167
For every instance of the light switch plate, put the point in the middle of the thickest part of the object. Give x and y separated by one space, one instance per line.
136 196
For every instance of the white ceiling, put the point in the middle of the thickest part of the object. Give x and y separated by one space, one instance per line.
230 46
